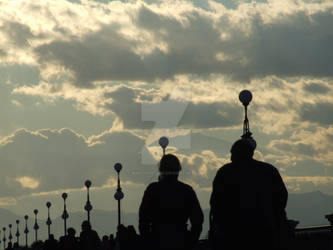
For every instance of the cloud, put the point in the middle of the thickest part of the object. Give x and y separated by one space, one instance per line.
293 147
316 88
47 160
28 182
310 148
195 114
318 113
154 42
200 169
52 161
3 53
17 33
103 55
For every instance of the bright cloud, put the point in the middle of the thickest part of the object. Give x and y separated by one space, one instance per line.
28 182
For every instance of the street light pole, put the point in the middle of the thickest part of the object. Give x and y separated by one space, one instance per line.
245 96
88 207
26 230
10 237
119 194
36 227
4 238
17 234
65 213
48 221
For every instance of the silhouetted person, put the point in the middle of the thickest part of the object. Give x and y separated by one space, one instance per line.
16 246
123 239
166 207
248 201
51 243
112 241
69 242
105 243
9 246
89 239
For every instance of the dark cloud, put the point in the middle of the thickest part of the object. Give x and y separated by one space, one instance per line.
103 55
285 47
316 88
319 113
3 53
18 33
170 114
61 159
297 45
297 148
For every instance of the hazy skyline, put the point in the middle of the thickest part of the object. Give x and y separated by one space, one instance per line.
86 84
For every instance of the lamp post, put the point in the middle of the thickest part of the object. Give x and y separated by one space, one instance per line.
64 215
245 96
119 194
164 142
4 238
36 227
88 207
17 234
10 237
26 230
48 221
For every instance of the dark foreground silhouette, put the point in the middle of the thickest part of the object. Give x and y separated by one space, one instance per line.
166 207
248 195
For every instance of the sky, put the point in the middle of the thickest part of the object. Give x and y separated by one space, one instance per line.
86 84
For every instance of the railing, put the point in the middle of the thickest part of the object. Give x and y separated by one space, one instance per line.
316 237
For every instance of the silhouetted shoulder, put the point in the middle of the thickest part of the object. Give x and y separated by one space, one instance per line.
266 166
178 184
224 168
151 186
185 186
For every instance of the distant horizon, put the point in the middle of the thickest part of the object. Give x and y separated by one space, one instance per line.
109 226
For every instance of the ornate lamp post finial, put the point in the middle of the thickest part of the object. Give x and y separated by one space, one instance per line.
88 207
119 194
164 142
245 96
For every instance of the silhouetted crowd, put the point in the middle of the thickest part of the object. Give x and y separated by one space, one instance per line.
247 211
88 239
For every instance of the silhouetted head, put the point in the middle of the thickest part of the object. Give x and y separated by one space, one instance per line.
71 232
52 236
243 150
170 164
86 226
